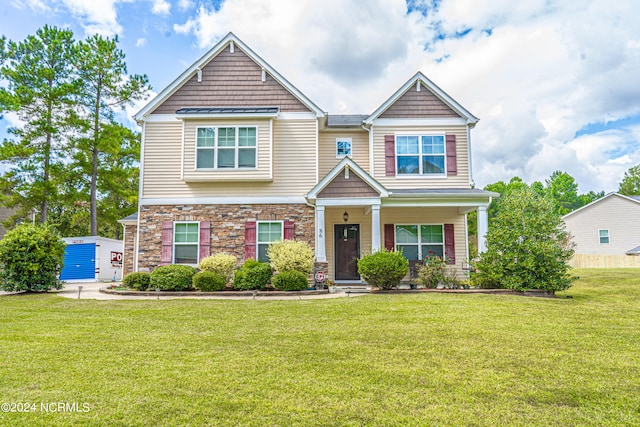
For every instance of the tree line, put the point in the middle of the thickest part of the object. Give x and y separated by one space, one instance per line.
69 163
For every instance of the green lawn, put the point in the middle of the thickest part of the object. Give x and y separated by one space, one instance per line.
429 359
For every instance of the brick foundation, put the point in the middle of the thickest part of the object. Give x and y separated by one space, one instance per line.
227 226
129 249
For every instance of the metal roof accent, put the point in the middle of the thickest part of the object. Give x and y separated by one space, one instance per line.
228 111
346 120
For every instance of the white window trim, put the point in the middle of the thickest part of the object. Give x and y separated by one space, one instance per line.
215 148
173 249
258 242
421 174
600 237
419 244
342 156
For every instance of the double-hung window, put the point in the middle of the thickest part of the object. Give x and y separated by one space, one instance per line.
420 241
343 147
226 147
420 155
604 236
268 232
185 242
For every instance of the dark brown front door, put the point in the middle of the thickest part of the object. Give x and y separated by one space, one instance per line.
347 253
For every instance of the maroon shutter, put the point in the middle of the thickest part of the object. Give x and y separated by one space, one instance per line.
205 240
167 243
449 244
289 230
390 155
452 164
389 238
249 240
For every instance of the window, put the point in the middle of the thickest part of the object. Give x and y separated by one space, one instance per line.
604 236
185 242
420 154
419 241
267 232
343 147
226 147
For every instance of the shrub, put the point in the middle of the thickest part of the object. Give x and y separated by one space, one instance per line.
291 280
207 281
432 271
31 258
173 277
383 269
139 281
291 255
252 275
222 264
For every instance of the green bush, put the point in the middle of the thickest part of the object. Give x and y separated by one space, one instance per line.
222 264
173 277
139 281
291 255
207 281
383 269
291 280
432 271
252 275
31 258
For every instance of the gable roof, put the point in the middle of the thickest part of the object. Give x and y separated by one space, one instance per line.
213 52
353 167
635 199
442 95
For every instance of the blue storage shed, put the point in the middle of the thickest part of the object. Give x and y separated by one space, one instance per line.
92 259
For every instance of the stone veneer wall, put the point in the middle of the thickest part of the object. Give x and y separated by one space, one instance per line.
129 249
227 226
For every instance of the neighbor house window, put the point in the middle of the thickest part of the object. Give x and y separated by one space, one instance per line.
420 154
604 236
185 242
226 147
419 241
268 232
343 147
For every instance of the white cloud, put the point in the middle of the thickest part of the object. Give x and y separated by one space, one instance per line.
161 7
141 42
185 4
35 5
96 16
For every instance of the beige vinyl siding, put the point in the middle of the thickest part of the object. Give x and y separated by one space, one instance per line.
327 149
461 180
294 164
262 172
616 214
333 216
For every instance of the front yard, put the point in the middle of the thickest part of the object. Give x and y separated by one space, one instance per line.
427 359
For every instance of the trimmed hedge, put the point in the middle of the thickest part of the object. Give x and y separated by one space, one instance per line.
291 255
207 281
140 281
222 264
291 280
252 275
173 277
383 269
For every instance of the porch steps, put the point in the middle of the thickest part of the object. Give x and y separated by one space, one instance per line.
353 289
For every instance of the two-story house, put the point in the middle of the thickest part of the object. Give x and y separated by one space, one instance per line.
235 157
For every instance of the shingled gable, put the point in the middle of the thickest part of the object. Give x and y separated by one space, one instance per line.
359 183
230 74
420 98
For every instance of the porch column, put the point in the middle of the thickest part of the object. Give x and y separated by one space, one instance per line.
321 246
375 228
483 228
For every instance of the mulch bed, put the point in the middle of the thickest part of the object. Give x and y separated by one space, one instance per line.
529 293
219 293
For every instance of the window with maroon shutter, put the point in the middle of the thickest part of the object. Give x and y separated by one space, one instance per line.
289 230
390 155
250 240
205 239
166 256
452 164
449 244
389 239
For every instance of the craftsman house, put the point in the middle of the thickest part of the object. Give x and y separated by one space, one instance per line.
235 157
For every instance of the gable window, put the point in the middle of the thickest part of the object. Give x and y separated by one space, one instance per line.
343 147
604 236
420 154
419 241
268 232
226 147
185 242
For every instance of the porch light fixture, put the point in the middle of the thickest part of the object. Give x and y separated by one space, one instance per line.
345 215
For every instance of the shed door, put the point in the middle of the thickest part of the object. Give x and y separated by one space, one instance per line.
79 262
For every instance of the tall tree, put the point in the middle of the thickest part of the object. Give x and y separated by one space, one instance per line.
630 185
105 88
563 190
40 89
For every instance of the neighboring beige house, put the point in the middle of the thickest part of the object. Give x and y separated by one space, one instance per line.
235 157
606 231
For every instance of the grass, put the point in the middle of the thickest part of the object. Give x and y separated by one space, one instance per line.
384 360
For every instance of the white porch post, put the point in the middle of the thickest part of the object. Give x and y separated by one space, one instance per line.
321 246
483 228
375 228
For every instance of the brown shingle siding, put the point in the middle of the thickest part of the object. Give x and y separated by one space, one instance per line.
231 80
417 105
352 187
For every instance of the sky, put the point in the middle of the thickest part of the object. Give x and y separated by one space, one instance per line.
555 83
